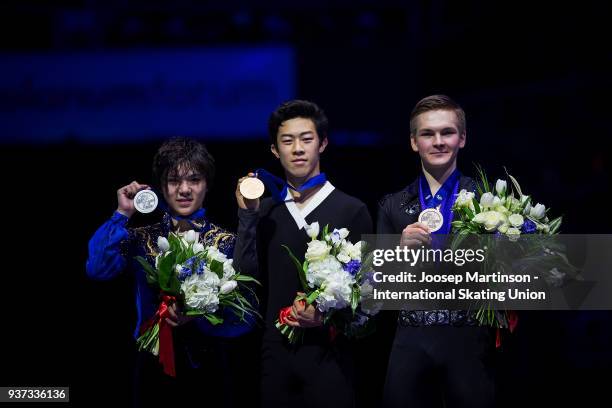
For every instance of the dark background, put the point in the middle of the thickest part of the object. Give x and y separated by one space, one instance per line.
534 80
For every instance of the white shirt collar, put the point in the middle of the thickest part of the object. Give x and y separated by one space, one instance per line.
299 215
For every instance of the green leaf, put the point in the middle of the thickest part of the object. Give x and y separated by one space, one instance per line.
515 183
555 225
216 267
299 267
150 272
325 230
214 320
313 296
166 272
476 205
355 297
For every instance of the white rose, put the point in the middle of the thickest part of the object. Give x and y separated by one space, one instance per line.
312 230
197 248
486 200
503 228
228 286
350 251
501 186
163 244
317 250
343 257
516 220
513 234
480 217
538 211
492 220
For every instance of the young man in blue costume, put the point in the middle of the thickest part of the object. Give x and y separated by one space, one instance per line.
183 170
318 371
439 357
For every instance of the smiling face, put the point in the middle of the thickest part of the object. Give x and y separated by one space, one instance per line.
437 139
298 147
185 191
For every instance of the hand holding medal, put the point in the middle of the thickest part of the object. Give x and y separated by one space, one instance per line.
136 197
248 191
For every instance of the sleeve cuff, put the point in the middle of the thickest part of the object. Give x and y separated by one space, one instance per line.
119 218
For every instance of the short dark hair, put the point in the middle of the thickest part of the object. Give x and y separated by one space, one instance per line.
182 152
297 109
437 102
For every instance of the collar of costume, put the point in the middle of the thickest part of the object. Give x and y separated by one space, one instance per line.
196 220
279 187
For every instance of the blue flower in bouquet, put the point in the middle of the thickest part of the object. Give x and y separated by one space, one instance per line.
190 266
529 227
184 273
352 267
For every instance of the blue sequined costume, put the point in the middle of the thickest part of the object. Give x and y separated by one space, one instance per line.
114 246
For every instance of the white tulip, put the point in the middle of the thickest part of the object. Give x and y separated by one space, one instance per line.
312 230
227 287
496 202
163 244
524 199
538 211
464 199
516 220
190 236
501 186
486 200
197 248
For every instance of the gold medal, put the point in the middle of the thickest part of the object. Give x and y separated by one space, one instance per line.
252 188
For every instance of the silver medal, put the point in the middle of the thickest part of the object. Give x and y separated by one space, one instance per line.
433 218
145 201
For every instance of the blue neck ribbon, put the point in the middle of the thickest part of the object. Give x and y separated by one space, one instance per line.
444 197
279 187
192 219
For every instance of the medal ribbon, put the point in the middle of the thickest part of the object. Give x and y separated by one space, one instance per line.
279 187
444 198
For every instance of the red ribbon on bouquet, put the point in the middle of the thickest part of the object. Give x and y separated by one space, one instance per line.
166 346
512 322
285 316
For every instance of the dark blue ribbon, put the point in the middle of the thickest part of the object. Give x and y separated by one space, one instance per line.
279 187
444 197
198 215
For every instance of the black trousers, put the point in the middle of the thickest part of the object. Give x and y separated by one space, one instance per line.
317 375
210 372
441 366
